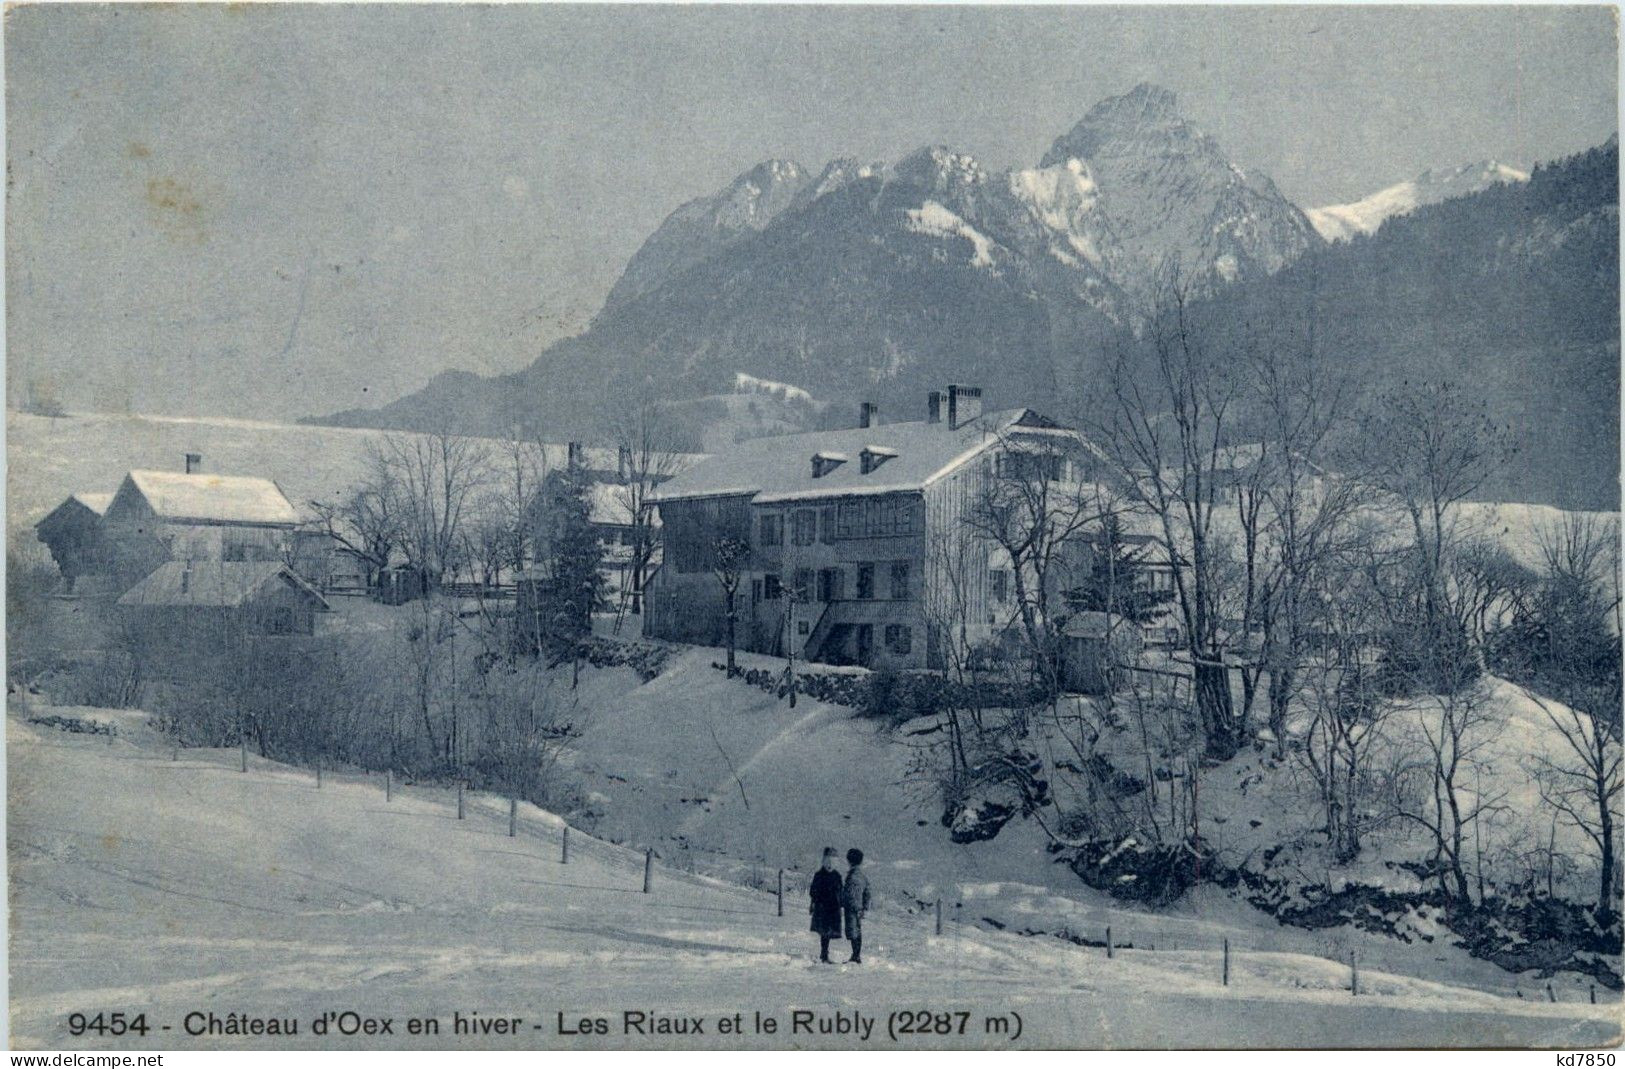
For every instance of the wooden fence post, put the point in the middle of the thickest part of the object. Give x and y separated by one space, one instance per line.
1108 940
781 892
1549 992
1227 962
648 869
564 849
389 784
939 916
1593 994
242 753
318 775
513 816
1354 973
459 801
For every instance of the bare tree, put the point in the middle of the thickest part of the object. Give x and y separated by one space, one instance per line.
1333 679
434 481
1165 423
1566 649
732 558
1426 449
647 455
1432 790
1032 508
1305 513
366 523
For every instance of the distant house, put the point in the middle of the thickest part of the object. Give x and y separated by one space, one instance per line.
206 602
189 618
848 535
73 533
612 505
159 516
1092 645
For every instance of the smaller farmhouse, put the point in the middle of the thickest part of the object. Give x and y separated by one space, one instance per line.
73 533
159 516
191 607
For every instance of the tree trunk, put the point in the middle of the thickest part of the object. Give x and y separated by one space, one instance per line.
1605 891
1280 697
731 619
1214 703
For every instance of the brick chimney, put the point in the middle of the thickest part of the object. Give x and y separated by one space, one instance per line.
868 414
194 463
933 407
964 405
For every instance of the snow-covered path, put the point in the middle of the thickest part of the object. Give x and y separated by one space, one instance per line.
141 884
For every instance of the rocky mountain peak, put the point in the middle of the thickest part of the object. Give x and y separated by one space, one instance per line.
1144 115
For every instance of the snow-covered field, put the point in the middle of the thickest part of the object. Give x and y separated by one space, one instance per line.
142 884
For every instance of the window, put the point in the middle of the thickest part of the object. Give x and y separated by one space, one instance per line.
899 580
803 627
826 524
771 590
279 621
900 638
831 584
803 584
866 581
772 529
755 590
883 517
998 585
803 527
1039 467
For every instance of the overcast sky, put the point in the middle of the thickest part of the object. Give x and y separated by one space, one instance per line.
275 211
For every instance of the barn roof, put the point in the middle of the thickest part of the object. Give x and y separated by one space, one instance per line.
213 498
214 584
914 455
95 504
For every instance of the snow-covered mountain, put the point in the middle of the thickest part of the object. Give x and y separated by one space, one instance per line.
1130 190
1168 193
881 279
1339 222
705 226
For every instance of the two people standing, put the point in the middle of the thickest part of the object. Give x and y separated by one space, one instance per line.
835 900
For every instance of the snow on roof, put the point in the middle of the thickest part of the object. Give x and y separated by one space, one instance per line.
96 503
214 498
610 504
779 469
212 584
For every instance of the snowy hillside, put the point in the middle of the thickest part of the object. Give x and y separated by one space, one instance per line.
139 883
1339 222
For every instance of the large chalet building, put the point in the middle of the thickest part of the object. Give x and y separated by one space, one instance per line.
853 543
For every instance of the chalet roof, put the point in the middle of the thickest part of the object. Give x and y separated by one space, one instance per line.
214 584
213 498
610 503
781 468
95 504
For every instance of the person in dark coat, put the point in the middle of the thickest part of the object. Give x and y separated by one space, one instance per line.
855 903
825 905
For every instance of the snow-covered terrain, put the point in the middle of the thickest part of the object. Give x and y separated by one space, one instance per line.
1339 222
172 887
